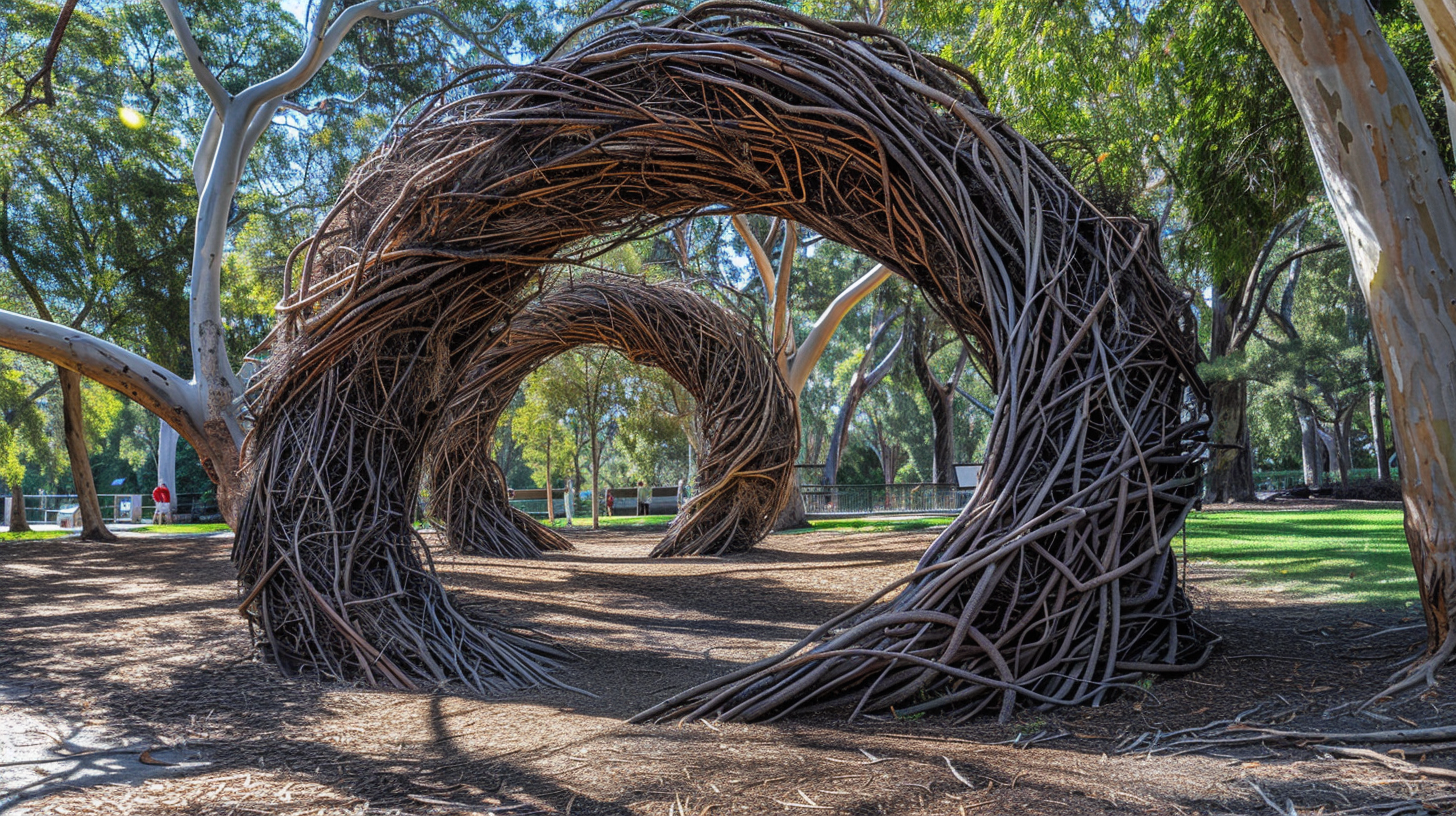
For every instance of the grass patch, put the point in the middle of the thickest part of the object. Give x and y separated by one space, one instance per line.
870 525
183 529
1343 556
613 521
35 535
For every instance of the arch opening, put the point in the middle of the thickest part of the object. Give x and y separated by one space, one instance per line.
749 420
1055 585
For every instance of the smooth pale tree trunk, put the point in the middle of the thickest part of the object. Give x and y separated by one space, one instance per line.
1309 450
550 501
1395 205
1377 433
1329 450
93 528
167 456
793 516
1344 458
596 461
18 524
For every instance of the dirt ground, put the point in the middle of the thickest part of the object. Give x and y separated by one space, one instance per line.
138 645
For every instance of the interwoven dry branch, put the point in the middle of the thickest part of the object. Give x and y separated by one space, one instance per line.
748 417
1055 585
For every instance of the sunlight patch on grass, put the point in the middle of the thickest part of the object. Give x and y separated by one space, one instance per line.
1343 556
870 525
183 529
35 535
613 521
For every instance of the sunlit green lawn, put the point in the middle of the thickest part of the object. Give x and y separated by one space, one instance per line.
860 525
613 521
182 529
1342 556
871 525
35 535
154 529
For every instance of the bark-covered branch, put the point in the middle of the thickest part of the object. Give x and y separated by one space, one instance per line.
42 75
153 387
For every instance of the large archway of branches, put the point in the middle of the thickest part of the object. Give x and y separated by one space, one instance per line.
749 422
1055 585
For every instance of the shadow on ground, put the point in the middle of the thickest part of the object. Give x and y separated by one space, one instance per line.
139 645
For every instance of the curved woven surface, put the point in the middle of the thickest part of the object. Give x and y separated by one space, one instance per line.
1055 585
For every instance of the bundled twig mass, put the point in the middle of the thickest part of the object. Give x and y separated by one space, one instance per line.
1055 585
748 418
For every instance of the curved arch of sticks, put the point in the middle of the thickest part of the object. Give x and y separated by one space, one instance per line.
1055 585
748 417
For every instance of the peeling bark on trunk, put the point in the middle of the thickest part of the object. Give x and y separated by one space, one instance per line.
1230 475
1230 468
92 526
940 397
1390 192
18 524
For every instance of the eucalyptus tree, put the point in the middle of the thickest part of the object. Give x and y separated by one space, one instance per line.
774 254
92 224
22 431
925 342
587 387
242 90
869 372
1318 360
1392 195
1242 176
659 435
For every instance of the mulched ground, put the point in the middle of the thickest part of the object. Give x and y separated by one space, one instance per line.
138 644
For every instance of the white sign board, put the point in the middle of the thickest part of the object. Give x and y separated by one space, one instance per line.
967 475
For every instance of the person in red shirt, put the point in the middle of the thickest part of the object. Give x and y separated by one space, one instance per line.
163 498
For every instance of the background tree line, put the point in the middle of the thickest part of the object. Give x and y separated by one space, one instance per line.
1170 110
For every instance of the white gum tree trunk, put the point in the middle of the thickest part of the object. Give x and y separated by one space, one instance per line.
204 410
796 361
167 456
1395 205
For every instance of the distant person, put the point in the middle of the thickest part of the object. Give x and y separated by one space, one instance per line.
644 498
162 497
682 493
611 501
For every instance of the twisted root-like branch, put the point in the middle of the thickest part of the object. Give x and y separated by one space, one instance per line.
1055 585
748 416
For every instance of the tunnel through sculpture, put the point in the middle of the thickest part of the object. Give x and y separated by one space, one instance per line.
747 416
1055 585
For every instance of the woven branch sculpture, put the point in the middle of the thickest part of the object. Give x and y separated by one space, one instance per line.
748 416
1055 585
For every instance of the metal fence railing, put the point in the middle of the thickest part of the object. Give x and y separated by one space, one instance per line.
858 500
44 508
